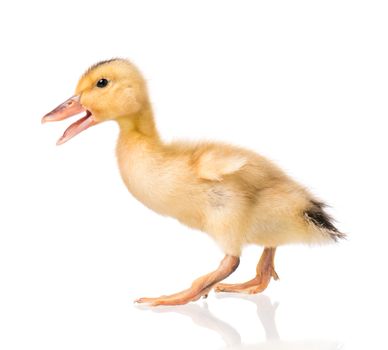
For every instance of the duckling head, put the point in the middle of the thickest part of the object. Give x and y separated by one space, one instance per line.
108 90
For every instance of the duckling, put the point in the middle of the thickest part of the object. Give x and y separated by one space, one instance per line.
234 195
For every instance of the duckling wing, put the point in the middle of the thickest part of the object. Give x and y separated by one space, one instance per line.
214 164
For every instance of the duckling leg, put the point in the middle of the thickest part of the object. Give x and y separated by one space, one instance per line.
200 286
264 271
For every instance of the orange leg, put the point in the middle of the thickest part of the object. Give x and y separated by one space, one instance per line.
264 271
200 286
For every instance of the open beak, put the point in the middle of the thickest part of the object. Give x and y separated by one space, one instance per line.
67 109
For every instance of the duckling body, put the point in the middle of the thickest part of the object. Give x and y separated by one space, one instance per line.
235 195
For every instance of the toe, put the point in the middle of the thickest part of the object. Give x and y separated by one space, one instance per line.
144 300
221 287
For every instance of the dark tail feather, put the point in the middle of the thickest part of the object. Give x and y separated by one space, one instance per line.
317 216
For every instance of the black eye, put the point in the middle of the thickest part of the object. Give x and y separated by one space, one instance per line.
102 83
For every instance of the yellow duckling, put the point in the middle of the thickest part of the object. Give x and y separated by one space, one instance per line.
236 196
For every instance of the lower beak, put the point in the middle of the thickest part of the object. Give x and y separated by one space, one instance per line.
67 109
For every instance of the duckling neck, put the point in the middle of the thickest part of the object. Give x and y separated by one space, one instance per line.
140 126
138 147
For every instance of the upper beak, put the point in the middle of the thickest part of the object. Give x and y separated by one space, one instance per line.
67 109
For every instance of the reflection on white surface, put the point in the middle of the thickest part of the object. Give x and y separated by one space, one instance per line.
265 309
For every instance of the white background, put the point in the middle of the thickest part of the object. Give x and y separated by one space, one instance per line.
304 83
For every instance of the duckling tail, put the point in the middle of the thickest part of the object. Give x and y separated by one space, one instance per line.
317 216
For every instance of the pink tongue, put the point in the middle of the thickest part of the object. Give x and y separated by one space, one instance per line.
76 128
